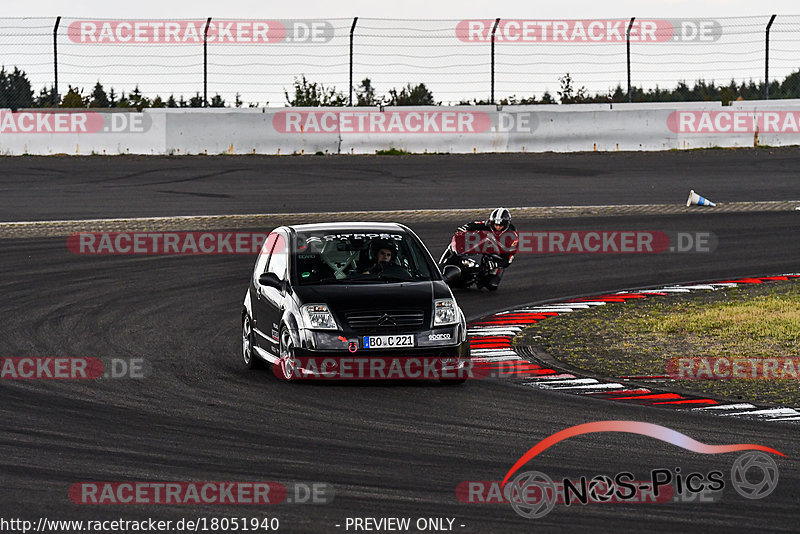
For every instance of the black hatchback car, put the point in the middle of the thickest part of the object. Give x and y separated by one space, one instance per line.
327 298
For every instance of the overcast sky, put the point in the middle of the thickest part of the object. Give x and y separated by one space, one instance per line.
393 54
408 9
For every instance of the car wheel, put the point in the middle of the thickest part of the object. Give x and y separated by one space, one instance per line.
286 366
248 354
447 380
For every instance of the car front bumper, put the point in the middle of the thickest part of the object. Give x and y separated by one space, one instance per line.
332 354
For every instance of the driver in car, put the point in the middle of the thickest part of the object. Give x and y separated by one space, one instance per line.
383 252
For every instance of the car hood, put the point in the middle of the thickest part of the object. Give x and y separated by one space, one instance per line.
342 298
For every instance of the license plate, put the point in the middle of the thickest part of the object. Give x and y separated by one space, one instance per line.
388 342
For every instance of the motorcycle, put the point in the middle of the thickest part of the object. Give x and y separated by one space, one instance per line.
482 269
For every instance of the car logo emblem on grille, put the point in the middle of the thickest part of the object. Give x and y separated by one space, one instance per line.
387 320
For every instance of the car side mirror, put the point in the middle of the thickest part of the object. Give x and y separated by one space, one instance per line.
450 273
271 280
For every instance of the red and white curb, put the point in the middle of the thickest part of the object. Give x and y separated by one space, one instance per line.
492 349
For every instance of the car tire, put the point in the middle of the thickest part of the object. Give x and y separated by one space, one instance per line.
285 367
251 360
453 381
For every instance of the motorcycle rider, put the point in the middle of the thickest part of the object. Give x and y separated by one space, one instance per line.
504 233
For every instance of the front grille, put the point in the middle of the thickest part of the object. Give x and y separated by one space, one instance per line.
385 319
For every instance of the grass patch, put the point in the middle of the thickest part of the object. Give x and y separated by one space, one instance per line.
639 338
774 317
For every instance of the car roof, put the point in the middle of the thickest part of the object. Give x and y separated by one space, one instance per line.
343 226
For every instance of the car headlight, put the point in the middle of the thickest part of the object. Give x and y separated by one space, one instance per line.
444 312
318 316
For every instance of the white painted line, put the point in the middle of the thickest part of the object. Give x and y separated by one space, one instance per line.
508 312
508 358
584 390
604 387
492 331
768 413
478 327
492 352
743 406
478 331
701 286
562 309
565 383
572 306
548 378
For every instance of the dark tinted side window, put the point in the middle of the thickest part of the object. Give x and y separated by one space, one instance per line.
279 259
263 256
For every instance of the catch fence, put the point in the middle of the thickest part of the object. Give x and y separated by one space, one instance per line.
258 62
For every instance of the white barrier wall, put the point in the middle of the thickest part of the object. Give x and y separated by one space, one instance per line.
81 132
363 130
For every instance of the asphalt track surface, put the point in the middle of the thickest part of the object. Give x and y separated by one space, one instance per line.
67 187
397 449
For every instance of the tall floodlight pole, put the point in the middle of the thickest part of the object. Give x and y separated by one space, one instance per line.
55 63
205 63
352 31
766 60
628 45
494 29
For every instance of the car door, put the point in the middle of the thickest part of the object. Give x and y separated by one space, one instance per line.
270 301
262 337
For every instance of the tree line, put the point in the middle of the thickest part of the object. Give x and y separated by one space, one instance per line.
16 92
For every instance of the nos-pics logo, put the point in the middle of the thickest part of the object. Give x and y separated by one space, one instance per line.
533 494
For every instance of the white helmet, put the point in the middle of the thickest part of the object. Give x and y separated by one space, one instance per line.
500 217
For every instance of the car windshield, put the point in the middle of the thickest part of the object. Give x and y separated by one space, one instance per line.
326 257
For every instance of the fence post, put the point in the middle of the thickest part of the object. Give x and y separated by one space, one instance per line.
352 30
628 45
766 60
205 63
55 63
494 29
